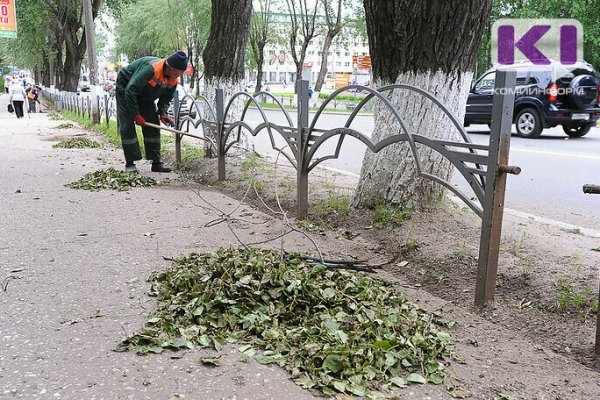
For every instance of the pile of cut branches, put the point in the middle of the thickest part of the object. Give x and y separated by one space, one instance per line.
78 143
335 330
111 179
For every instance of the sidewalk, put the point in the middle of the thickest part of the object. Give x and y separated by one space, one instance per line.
80 261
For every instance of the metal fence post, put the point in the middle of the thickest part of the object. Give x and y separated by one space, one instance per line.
495 185
595 189
220 100
302 144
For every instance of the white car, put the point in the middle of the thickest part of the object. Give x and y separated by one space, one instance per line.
184 109
84 84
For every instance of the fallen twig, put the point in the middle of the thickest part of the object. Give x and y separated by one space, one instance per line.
7 280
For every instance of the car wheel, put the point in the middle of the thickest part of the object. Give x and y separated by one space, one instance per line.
576 131
528 123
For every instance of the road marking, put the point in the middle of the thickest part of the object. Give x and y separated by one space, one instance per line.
584 231
556 153
537 218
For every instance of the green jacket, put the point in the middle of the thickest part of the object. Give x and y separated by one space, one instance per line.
144 81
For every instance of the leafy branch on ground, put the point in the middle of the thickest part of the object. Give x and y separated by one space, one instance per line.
333 330
111 179
78 143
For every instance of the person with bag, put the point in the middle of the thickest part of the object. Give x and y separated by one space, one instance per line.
17 97
32 95
138 86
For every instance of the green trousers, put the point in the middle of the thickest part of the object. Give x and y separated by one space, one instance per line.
126 127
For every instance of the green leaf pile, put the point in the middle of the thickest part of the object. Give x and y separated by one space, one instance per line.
111 179
78 143
334 330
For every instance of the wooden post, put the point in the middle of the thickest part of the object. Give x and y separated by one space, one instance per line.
495 185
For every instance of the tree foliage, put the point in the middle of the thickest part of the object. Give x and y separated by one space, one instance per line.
137 38
51 38
184 26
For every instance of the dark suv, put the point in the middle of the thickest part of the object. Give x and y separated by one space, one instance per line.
545 96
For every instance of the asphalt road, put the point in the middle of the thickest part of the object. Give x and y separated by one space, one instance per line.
554 167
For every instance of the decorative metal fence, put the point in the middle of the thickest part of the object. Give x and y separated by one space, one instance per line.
82 105
484 167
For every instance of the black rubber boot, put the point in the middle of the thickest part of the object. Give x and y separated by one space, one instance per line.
130 167
160 167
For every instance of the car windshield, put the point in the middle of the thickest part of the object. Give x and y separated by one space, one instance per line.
486 83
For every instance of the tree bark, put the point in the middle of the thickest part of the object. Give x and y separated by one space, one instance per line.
323 71
431 45
75 46
224 53
259 71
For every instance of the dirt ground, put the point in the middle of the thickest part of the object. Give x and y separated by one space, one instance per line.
536 342
546 290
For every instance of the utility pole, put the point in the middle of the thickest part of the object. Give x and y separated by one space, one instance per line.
90 39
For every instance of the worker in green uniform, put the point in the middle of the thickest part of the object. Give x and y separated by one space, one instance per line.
138 86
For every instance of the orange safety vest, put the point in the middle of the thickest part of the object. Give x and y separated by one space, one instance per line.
31 95
159 78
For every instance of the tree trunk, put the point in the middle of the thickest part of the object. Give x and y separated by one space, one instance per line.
74 53
75 47
431 45
259 71
323 71
224 53
299 68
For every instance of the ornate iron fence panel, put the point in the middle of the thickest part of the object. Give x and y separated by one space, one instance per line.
484 167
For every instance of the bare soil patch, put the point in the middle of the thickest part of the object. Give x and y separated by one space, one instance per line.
546 291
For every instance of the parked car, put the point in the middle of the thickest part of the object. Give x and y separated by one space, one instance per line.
186 108
84 84
545 97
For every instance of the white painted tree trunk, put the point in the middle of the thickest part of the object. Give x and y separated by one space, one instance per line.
234 113
391 176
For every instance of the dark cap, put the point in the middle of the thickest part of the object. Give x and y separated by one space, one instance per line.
178 60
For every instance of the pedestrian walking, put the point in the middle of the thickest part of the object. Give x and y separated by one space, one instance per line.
17 97
32 97
138 86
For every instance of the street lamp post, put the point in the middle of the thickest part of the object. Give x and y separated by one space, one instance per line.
90 39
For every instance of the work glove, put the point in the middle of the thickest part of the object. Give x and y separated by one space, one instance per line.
168 121
139 120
